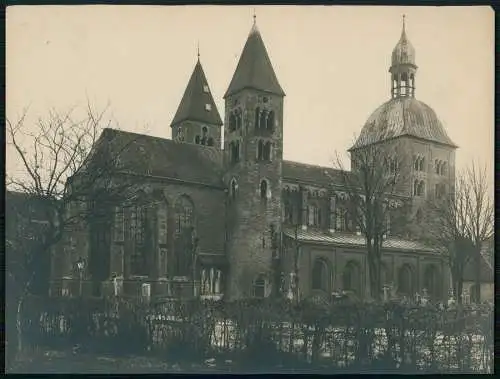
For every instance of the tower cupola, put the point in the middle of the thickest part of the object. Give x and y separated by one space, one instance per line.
403 68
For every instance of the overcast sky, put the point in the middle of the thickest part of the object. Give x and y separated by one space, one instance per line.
331 61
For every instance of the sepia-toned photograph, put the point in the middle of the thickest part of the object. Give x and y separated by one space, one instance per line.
237 189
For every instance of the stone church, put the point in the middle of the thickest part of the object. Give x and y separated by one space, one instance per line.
235 219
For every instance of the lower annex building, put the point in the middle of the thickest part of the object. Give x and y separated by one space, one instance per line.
228 219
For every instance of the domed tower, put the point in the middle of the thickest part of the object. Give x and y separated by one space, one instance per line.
413 128
197 119
253 145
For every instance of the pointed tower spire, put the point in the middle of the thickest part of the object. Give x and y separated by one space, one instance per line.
197 103
254 69
403 68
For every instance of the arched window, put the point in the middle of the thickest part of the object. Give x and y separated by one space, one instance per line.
341 220
234 188
197 140
232 122
257 117
321 275
119 224
235 151
162 222
259 286
238 119
267 151
184 237
270 121
443 168
140 230
263 119
210 141
432 282
415 163
421 164
263 189
351 278
184 217
405 280
438 166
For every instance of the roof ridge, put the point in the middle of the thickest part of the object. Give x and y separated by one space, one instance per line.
311 165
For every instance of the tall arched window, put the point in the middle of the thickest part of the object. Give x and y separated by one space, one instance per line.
162 222
341 219
259 286
321 275
351 278
232 122
184 236
257 117
119 224
233 188
141 233
260 150
288 208
421 164
432 282
263 189
270 121
437 164
267 151
238 119
443 168
405 280
263 118
184 217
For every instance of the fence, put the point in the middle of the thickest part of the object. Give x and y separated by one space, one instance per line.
270 334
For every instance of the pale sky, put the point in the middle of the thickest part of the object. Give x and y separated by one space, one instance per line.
332 62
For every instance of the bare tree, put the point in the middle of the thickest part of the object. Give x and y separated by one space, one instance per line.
69 170
373 195
458 223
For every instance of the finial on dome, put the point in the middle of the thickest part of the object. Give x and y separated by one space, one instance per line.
404 24
198 49
254 17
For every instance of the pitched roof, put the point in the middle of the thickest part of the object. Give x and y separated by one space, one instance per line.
348 239
399 117
143 154
313 174
194 100
254 69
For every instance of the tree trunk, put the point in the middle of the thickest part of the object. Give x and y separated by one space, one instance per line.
374 273
477 276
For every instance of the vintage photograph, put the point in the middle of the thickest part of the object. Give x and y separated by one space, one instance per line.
238 189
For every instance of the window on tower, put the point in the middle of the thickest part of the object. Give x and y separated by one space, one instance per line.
234 148
270 121
205 88
232 122
208 107
264 189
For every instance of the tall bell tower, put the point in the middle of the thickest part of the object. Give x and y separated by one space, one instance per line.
253 154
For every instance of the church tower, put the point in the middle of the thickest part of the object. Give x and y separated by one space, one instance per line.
426 152
253 154
197 119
